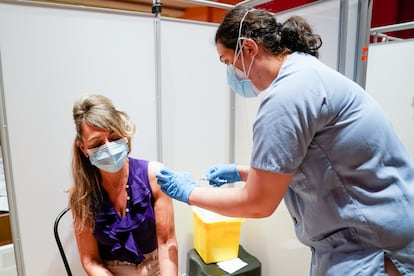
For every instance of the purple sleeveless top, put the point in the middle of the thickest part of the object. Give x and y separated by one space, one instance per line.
128 238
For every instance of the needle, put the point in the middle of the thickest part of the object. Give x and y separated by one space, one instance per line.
218 180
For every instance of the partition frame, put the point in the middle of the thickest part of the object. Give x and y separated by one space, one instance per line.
364 25
14 222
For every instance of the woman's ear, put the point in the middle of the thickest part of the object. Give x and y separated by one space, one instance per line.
81 146
251 46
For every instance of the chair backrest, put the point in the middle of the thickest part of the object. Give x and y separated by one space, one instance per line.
58 242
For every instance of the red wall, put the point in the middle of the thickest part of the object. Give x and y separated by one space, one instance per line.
388 12
277 6
384 12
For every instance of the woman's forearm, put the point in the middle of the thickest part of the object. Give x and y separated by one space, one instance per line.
93 268
243 171
248 201
168 258
231 202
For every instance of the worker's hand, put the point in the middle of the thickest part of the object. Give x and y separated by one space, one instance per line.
177 185
223 174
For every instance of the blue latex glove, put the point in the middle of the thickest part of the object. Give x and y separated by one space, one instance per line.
177 185
222 174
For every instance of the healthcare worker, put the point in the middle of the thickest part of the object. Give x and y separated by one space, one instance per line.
321 143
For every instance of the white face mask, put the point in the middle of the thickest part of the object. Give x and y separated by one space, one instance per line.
237 79
111 156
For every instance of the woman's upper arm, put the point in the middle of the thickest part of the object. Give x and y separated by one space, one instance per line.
164 221
163 207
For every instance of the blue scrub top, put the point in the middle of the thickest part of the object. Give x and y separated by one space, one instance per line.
352 194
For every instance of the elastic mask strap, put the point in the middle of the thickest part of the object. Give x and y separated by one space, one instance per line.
239 44
250 67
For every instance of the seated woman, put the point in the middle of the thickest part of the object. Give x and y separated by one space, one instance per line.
124 223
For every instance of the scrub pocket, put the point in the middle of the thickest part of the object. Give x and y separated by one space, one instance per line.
343 239
299 183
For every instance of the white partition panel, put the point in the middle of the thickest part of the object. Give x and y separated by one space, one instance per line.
390 82
195 110
49 57
324 18
273 240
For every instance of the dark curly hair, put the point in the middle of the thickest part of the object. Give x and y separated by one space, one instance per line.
294 35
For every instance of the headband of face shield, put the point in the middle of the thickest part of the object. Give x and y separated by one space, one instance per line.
109 157
237 79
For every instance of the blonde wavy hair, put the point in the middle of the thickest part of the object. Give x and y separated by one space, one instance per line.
97 111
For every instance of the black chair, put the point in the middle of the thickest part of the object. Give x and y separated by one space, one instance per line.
59 244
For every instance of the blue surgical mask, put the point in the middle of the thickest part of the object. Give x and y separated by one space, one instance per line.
243 86
111 156
238 80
